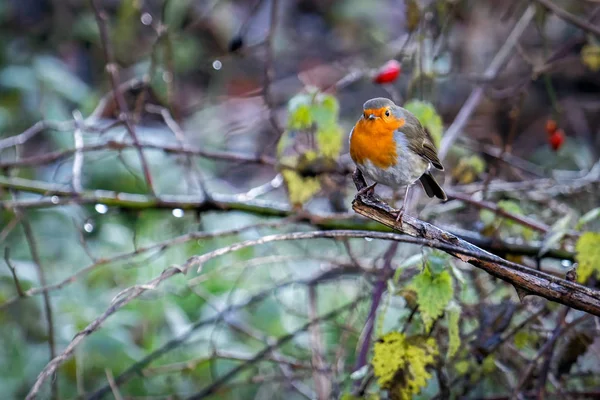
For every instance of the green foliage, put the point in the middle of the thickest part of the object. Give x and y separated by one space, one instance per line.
588 217
350 396
429 118
453 316
434 291
462 367
523 339
300 189
494 222
468 169
400 363
313 136
588 256
301 117
590 56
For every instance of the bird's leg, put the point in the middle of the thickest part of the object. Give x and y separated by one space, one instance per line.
368 190
400 211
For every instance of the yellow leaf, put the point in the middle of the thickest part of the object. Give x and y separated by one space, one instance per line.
400 363
329 139
588 255
590 56
300 189
413 15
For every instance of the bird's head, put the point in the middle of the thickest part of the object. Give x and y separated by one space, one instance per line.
381 114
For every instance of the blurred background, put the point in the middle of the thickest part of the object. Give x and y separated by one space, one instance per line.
243 110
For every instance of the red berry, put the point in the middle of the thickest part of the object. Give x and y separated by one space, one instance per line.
388 72
551 126
557 139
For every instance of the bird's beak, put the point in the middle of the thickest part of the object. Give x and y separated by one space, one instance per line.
372 116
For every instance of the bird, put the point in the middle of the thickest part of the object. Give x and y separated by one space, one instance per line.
389 145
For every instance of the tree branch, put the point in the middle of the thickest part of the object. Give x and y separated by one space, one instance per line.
490 73
525 280
567 16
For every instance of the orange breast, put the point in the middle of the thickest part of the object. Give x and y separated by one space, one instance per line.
374 141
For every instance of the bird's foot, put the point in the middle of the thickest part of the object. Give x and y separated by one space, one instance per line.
399 214
367 190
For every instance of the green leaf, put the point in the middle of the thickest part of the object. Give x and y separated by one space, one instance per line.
400 363
453 316
558 230
301 117
429 118
468 169
462 367
329 141
434 292
588 255
590 56
523 339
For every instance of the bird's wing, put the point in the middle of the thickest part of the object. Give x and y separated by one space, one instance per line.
422 144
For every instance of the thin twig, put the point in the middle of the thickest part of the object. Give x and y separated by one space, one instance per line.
567 16
136 368
35 256
520 219
113 72
376 296
322 382
113 386
20 291
78 159
501 58
270 72
280 342
535 282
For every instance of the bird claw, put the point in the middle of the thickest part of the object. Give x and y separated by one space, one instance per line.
400 214
367 190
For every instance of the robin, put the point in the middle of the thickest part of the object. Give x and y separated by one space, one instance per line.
389 145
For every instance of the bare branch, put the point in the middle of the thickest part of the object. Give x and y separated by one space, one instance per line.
501 58
113 72
567 16
13 272
522 278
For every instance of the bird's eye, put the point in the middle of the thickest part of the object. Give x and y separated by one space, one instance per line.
387 113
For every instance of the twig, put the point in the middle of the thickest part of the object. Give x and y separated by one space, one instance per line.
545 349
567 16
113 72
378 290
280 342
520 219
113 386
270 72
490 73
136 368
138 251
35 129
78 159
535 282
28 231
13 272
522 278
322 382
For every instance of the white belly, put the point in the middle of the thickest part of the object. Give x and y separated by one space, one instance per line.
407 170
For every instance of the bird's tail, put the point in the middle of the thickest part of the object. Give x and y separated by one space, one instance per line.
432 188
